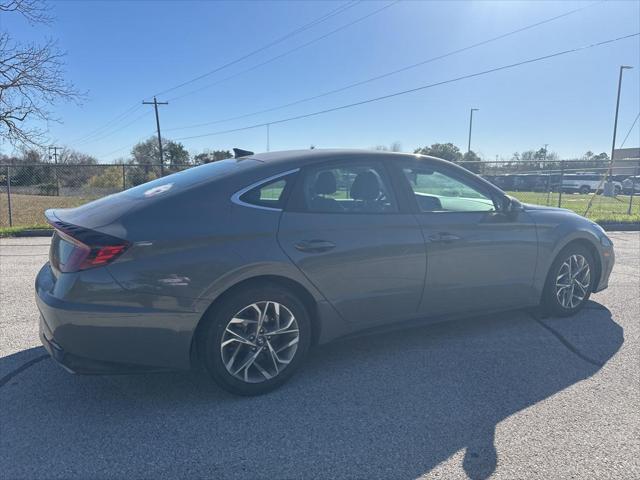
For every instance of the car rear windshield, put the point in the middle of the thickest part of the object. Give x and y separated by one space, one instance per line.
189 177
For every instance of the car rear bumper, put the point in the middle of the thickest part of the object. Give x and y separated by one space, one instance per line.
94 338
86 366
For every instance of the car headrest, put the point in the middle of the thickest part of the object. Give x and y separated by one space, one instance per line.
366 186
325 183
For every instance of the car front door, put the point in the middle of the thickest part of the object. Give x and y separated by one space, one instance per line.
478 258
345 231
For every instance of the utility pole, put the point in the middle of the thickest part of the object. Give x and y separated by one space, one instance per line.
155 104
55 169
607 175
615 121
470 127
55 153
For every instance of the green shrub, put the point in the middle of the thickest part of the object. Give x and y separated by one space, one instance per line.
48 189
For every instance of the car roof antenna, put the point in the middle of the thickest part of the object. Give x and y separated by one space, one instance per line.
239 153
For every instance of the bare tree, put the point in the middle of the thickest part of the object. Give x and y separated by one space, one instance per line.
31 81
394 147
35 11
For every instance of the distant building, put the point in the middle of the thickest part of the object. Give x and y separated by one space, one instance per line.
626 161
626 153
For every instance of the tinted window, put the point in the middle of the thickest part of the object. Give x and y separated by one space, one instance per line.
186 178
438 192
270 194
347 189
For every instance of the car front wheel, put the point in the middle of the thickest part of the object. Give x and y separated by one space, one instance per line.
570 281
256 339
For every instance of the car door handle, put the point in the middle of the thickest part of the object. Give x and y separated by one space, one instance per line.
314 246
444 237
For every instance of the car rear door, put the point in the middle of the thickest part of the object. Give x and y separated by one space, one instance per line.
345 230
478 258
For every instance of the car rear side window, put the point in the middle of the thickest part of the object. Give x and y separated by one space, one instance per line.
360 188
271 194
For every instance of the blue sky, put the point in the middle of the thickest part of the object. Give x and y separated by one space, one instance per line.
124 52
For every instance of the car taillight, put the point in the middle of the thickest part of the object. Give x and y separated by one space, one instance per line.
74 249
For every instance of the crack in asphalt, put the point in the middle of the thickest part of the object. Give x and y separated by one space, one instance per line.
573 349
568 344
4 380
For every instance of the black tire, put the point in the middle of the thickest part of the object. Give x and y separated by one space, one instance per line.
585 189
551 305
216 323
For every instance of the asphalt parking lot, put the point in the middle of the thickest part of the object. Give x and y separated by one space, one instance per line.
505 397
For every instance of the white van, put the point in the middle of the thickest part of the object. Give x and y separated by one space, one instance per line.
585 183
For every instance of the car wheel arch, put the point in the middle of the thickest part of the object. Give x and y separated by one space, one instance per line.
583 242
298 290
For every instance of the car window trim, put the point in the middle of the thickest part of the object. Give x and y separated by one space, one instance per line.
235 198
297 193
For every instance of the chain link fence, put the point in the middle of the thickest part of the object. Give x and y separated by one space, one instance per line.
599 192
27 190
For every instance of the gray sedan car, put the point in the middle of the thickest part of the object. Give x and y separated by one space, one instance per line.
242 265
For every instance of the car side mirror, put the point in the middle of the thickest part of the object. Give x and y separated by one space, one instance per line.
510 206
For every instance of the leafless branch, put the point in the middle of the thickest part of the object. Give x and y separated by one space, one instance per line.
35 11
31 82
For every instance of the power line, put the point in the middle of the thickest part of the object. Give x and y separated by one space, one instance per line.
629 132
288 52
298 30
108 124
119 129
378 77
108 154
135 107
416 89
113 151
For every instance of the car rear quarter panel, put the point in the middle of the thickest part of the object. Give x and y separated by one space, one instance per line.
91 316
205 245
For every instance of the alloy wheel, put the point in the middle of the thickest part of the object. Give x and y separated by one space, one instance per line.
259 341
572 282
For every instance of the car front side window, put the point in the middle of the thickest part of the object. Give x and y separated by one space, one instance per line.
437 191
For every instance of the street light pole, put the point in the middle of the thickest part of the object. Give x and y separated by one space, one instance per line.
471 127
268 139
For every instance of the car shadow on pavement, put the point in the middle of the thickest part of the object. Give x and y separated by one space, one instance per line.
391 405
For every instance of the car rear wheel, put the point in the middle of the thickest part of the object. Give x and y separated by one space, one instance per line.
585 189
570 281
256 339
